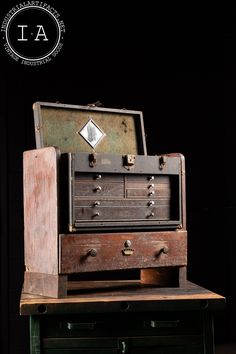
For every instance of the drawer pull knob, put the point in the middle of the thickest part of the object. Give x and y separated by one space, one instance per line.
98 189
151 215
151 185
151 202
93 252
151 193
96 203
96 214
127 243
98 176
164 249
151 178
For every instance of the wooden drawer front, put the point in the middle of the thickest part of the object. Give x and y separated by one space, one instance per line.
154 187
120 210
114 251
109 185
99 189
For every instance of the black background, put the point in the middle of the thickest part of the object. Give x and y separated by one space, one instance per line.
177 65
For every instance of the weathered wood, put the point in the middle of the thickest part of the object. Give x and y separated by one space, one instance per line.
183 277
98 252
45 284
112 294
41 210
165 276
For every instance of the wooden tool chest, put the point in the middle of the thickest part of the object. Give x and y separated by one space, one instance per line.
94 201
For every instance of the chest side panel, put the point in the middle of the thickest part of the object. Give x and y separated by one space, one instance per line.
41 210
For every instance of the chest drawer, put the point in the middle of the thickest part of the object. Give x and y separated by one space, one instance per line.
115 251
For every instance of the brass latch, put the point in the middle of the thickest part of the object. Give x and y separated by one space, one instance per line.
128 161
92 159
162 161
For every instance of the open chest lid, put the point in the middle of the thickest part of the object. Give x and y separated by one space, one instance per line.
74 128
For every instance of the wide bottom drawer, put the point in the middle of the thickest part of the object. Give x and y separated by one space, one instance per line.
115 251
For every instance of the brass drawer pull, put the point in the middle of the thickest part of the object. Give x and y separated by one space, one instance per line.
127 251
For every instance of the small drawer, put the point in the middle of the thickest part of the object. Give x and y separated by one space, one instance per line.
100 189
121 213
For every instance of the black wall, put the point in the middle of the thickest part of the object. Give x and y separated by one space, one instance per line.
180 75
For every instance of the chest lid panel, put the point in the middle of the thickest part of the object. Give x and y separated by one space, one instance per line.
74 128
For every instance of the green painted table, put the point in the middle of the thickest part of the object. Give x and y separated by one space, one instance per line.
123 317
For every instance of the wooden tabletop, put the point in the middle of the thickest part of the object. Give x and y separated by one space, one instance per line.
120 296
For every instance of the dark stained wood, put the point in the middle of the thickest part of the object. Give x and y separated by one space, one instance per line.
110 295
146 250
108 197
120 211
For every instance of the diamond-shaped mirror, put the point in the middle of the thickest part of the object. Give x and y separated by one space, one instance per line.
92 133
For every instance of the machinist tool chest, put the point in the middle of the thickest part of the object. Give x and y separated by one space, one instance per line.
93 204
106 195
